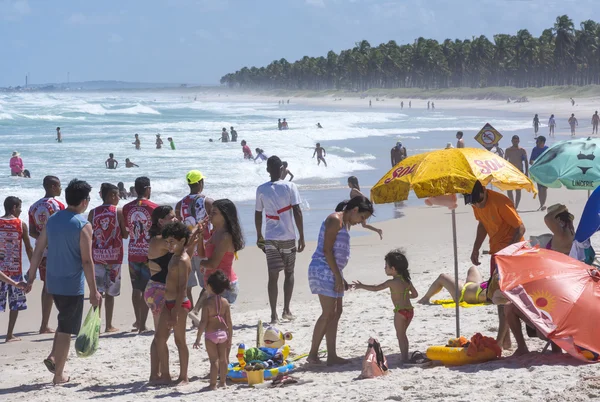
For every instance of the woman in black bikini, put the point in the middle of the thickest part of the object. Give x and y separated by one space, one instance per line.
154 295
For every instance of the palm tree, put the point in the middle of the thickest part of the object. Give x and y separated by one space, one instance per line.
561 55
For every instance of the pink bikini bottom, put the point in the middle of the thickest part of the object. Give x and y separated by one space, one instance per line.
217 337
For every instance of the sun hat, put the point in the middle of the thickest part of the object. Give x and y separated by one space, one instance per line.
194 176
16 153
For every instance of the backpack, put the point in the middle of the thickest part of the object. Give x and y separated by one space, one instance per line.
375 363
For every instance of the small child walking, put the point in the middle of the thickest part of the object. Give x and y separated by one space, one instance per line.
401 290
218 329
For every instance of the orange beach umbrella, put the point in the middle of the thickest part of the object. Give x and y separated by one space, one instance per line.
558 294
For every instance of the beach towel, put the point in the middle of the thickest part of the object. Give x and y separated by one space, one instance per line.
375 363
449 303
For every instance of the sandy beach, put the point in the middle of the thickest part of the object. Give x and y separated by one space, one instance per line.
119 369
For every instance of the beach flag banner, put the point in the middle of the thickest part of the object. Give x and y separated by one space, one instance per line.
488 136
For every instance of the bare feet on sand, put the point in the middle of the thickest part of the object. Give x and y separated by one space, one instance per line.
424 301
61 380
161 380
182 381
212 387
506 345
46 330
520 352
288 316
111 329
313 360
274 319
222 384
12 338
336 361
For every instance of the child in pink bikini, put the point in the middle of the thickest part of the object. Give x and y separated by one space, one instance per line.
217 326
402 290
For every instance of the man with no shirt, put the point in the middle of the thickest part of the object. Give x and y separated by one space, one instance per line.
518 157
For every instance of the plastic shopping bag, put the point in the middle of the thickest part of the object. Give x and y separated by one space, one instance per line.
86 343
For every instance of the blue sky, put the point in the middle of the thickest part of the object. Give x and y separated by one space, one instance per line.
198 41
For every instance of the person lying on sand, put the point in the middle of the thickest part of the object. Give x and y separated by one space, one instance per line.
473 289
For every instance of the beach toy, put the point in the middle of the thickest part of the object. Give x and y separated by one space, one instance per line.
450 356
458 352
245 371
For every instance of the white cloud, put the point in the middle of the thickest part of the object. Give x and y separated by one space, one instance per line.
115 38
22 7
14 9
315 3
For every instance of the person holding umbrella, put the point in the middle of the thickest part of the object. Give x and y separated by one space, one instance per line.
499 220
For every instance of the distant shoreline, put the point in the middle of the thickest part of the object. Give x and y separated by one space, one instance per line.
464 93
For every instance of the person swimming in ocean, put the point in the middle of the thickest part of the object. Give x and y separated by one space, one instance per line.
159 142
319 125
285 171
111 162
246 150
279 124
137 143
129 164
284 125
260 154
224 135
58 135
171 143
233 134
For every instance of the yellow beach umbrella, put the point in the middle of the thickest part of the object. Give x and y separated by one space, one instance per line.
448 171
445 172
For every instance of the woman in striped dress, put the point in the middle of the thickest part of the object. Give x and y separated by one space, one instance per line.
325 273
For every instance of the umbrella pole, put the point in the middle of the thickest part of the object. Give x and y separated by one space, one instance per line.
589 192
456 289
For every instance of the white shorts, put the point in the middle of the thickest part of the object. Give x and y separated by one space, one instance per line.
108 278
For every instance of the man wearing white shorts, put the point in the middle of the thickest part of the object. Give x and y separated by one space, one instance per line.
109 230
280 201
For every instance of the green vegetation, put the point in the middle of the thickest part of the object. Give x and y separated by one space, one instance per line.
561 56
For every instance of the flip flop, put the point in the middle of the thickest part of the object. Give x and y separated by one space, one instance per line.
50 365
418 358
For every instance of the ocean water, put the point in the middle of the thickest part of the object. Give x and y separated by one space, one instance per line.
357 141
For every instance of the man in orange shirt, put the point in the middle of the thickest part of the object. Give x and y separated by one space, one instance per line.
499 220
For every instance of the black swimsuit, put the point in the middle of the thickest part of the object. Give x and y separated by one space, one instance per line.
163 263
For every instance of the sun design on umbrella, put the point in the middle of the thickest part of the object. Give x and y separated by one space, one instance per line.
543 300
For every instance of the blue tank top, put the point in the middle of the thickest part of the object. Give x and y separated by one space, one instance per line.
341 247
64 270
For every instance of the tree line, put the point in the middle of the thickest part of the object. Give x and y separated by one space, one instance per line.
561 55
